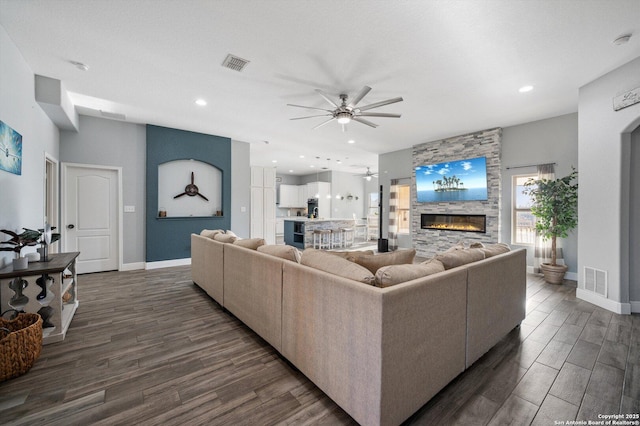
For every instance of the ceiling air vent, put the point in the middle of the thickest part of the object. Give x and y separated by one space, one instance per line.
234 63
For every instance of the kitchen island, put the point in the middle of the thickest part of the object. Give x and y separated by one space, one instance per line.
298 231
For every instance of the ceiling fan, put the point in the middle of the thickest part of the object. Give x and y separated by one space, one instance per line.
346 111
369 174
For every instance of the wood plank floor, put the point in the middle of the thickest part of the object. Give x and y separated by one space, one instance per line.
151 348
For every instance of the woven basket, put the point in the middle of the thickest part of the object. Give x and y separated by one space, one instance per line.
20 344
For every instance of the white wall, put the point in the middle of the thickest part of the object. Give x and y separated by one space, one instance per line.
22 196
393 165
604 164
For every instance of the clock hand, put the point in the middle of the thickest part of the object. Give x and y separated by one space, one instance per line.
180 195
202 196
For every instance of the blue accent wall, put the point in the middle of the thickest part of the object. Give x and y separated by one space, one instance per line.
170 238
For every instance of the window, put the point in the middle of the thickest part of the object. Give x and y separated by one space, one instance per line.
404 203
373 204
523 222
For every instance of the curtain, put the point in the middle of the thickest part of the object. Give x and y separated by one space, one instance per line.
542 248
393 216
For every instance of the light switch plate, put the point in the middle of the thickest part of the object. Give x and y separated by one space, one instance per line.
129 209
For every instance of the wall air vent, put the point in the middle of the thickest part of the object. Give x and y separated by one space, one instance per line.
595 280
234 63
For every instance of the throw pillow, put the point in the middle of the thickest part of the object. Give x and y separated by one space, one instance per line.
476 245
250 243
336 265
286 252
230 232
209 233
458 246
373 262
224 238
396 274
495 249
452 259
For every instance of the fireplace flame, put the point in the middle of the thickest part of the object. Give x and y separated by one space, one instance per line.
455 227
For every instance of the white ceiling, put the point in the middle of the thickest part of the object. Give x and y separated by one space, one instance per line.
457 64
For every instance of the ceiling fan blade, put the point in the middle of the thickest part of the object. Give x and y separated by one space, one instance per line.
363 121
323 123
326 98
378 114
381 103
359 96
308 107
310 116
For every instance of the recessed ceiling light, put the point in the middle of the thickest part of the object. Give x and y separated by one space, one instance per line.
201 102
274 161
351 141
302 156
312 166
623 39
290 171
525 89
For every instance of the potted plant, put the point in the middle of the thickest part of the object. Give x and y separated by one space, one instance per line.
555 206
28 237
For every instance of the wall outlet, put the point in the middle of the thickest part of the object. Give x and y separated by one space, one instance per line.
129 209
243 209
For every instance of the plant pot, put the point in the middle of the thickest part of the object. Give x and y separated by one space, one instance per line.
20 263
553 274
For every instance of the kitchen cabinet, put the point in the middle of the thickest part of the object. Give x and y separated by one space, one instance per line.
323 192
263 203
293 196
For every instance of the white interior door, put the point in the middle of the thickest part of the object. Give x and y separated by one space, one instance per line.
90 216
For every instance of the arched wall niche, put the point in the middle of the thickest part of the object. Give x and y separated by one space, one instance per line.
174 180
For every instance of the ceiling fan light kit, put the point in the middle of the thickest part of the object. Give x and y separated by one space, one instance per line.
345 112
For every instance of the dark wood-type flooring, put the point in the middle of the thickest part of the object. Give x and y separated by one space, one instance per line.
151 348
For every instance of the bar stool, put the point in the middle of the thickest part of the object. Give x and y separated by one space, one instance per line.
347 237
322 239
336 238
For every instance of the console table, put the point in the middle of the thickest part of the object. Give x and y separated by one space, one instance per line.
53 283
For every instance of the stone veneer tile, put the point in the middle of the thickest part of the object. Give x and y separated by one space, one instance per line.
486 143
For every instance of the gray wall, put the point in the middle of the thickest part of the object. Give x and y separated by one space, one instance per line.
115 143
528 143
604 143
554 140
240 189
22 196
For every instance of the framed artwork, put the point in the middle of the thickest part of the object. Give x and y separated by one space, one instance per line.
10 149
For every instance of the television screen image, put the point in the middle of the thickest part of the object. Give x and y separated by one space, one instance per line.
462 180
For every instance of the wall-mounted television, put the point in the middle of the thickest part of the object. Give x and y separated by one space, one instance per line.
462 180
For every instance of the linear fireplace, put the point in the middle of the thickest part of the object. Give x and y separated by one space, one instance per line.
454 222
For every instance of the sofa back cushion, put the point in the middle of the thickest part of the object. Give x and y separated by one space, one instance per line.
452 259
283 251
396 274
347 254
250 243
209 233
495 249
224 238
336 265
373 262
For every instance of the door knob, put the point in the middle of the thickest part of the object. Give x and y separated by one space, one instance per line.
70 226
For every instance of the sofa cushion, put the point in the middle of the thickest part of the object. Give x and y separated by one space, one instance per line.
209 233
396 274
250 243
224 238
373 262
347 254
336 265
452 259
286 252
495 249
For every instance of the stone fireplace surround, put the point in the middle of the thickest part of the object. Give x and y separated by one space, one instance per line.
485 143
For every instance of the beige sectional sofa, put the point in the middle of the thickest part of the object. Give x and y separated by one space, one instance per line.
379 353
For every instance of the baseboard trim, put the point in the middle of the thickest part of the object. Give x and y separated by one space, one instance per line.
635 307
608 304
569 275
132 266
168 263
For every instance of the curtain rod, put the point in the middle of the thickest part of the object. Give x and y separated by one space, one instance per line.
530 165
